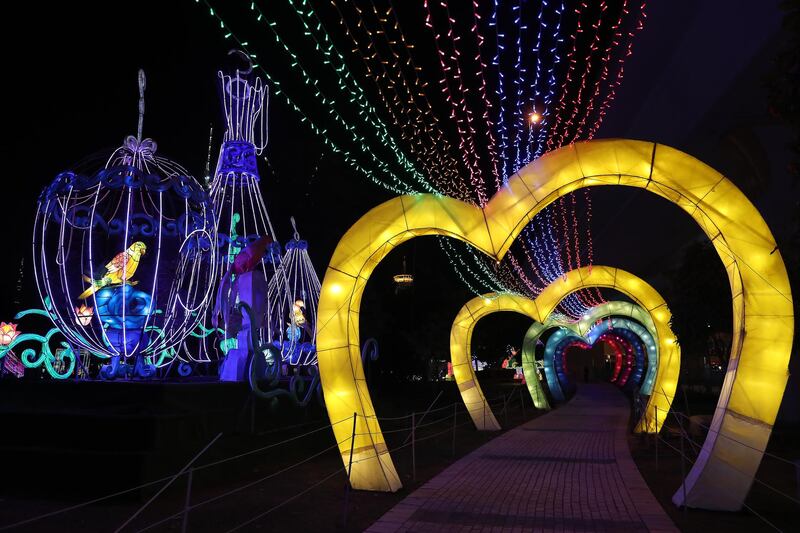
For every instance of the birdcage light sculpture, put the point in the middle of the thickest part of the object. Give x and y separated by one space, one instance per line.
296 285
124 252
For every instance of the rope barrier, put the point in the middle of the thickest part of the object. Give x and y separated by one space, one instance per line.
448 430
261 515
768 454
161 480
241 488
453 406
696 446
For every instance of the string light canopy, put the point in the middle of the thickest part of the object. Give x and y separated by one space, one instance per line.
493 87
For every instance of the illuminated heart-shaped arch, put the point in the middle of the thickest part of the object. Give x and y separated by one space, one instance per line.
649 308
582 326
553 371
761 297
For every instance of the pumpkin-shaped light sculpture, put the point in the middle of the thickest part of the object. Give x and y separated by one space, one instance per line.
124 253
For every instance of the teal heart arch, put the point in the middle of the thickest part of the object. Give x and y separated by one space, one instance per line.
557 380
630 310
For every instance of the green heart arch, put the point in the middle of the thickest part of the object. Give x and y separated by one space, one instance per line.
763 319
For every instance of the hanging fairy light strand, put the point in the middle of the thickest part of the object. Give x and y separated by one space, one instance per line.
612 91
487 104
346 82
389 78
538 122
613 43
455 97
396 186
577 103
330 104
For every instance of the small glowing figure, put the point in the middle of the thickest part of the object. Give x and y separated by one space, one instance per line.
84 314
298 313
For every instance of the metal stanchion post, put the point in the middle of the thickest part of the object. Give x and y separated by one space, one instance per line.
656 434
349 470
683 467
455 414
484 414
522 403
413 446
187 501
253 415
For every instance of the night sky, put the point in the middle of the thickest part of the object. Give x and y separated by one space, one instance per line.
694 82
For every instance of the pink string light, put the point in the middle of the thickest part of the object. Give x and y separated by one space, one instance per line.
459 111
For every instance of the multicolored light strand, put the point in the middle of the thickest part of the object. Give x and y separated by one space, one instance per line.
476 102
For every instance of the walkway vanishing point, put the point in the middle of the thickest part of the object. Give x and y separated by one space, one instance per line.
569 470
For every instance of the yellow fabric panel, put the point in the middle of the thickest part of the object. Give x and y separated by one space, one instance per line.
461 349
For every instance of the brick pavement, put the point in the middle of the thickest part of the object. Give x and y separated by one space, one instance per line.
569 470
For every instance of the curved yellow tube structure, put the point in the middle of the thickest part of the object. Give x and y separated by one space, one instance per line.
649 308
761 297
461 349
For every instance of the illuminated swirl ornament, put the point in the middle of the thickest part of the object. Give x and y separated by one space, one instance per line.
124 253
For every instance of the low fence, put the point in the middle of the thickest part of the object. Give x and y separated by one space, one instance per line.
417 430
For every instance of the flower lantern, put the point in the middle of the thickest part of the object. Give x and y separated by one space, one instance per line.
8 332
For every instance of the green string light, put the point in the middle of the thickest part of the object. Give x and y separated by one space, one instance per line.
347 83
492 285
330 105
398 187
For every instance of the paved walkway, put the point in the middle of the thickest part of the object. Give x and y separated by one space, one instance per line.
569 470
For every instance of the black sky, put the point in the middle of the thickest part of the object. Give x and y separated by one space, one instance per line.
71 70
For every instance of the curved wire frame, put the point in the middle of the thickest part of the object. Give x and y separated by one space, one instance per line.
296 286
243 220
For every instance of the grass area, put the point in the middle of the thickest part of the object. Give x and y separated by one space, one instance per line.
662 470
296 485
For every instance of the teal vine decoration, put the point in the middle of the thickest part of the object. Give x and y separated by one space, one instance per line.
264 368
32 359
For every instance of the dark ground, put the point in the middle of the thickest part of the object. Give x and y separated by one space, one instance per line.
300 484
273 479
663 476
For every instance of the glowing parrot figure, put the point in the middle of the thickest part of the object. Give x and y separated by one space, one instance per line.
119 270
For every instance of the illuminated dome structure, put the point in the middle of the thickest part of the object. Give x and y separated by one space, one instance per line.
124 254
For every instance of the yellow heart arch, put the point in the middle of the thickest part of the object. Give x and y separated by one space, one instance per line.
539 310
763 319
